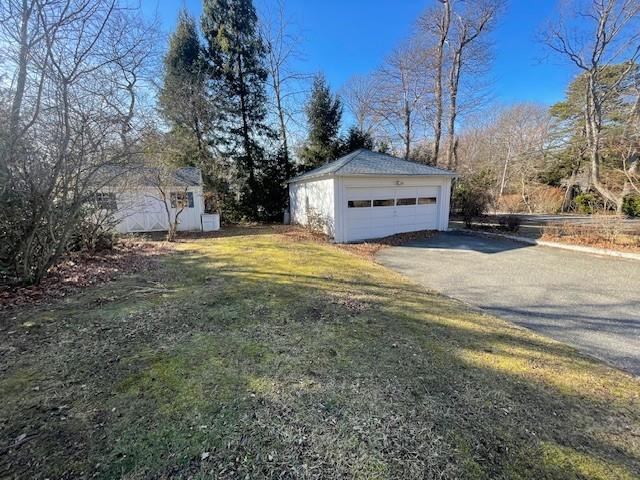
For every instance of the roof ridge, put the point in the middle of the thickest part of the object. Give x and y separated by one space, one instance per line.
415 162
357 152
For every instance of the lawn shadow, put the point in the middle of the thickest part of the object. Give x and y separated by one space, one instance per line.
297 360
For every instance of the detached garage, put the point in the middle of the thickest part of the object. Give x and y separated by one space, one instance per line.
367 195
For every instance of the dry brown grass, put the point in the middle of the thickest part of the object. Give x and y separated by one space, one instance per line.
607 232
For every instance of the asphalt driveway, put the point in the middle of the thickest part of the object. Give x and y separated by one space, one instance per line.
588 301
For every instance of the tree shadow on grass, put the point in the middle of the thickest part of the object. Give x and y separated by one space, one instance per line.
255 355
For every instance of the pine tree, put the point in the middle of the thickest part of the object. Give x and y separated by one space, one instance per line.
235 55
356 139
183 103
324 113
273 193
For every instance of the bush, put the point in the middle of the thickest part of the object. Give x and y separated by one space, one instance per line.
605 231
541 199
511 203
471 195
510 223
92 237
545 199
588 203
631 206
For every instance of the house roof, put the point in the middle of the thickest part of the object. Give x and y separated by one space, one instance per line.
190 176
140 175
364 162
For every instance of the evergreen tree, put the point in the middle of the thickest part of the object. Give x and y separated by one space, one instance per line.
273 192
618 90
183 102
235 55
356 139
324 113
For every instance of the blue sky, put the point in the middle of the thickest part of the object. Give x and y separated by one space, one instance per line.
346 37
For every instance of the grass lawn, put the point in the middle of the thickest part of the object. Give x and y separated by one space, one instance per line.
263 356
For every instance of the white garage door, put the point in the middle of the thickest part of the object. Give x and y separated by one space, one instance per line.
379 212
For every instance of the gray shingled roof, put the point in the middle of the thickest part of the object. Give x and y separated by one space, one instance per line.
364 162
141 175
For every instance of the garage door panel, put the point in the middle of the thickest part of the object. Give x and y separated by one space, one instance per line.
361 193
373 222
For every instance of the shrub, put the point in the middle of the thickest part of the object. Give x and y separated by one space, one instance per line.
511 203
631 206
92 236
547 199
510 223
471 195
588 203
541 199
603 231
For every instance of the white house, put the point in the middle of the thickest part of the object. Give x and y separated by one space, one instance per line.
366 195
137 199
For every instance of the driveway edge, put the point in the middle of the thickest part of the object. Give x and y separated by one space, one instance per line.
564 246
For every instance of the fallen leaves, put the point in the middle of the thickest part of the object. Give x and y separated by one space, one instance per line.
81 270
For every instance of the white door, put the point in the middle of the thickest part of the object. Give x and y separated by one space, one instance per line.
145 213
378 212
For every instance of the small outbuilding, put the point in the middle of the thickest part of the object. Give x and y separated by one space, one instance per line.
142 199
366 195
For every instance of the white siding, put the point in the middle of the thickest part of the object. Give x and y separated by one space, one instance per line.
143 210
312 204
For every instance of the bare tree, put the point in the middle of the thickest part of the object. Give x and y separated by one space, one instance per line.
401 90
607 33
286 84
358 94
174 201
511 143
437 22
471 21
80 67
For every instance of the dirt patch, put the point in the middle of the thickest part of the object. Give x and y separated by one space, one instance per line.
81 270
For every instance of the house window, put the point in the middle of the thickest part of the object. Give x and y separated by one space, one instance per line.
359 203
427 200
404 202
106 201
181 199
387 202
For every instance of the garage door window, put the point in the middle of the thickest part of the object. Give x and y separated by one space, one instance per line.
359 203
427 200
405 202
387 202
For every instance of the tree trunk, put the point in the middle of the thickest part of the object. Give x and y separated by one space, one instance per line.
454 80
21 78
16 104
593 121
283 125
504 173
444 32
407 130
248 150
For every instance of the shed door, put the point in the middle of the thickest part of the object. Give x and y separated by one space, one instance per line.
378 212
